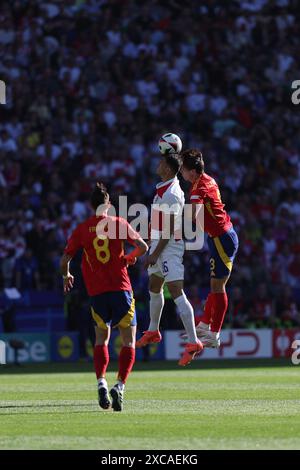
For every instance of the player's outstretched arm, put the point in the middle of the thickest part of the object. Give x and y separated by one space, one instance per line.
64 269
140 249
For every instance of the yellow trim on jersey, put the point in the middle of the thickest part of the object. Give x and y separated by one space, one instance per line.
127 319
98 320
208 207
223 256
87 258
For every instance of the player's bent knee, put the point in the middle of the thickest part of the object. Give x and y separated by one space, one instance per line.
177 292
155 284
154 290
129 344
128 336
101 341
175 289
102 336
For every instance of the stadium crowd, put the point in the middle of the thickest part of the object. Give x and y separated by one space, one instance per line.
91 86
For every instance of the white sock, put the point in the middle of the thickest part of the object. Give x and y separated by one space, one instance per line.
203 326
187 316
157 302
215 334
102 382
121 385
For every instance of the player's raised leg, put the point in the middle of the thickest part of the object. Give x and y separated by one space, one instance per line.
186 313
126 362
101 361
208 330
152 335
223 250
220 303
204 324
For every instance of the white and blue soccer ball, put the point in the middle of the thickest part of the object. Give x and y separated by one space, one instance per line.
169 143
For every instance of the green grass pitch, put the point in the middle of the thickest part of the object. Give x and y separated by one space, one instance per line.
208 405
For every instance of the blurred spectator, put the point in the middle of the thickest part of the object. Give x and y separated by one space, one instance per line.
238 307
27 274
287 309
294 271
197 304
78 318
261 309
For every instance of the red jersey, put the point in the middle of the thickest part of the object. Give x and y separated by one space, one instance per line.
103 266
206 191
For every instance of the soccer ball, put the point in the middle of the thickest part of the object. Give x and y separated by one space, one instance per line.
169 143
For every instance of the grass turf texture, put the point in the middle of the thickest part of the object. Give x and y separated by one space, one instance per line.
208 405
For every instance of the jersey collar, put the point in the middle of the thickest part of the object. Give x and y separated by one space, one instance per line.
161 188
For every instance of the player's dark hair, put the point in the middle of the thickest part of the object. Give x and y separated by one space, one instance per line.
173 160
192 159
98 196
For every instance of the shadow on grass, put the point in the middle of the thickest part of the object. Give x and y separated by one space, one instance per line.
83 407
44 405
87 367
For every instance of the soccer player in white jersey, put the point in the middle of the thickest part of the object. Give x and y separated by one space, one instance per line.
165 262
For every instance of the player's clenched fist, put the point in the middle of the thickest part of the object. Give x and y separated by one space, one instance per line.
68 282
130 260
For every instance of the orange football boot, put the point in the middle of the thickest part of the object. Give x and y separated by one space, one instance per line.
191 349
149 337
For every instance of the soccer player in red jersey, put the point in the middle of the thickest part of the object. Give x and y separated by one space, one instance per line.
222 242
104 269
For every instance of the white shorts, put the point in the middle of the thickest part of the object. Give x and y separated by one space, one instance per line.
170 263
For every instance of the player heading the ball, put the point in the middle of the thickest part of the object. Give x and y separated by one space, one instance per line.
165 261
222 242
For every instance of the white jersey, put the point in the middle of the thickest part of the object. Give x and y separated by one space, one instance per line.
169 199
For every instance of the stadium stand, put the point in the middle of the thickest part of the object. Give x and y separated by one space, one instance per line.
93 84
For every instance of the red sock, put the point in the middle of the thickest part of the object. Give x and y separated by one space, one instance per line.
126 361
220 304
101 359
208 310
